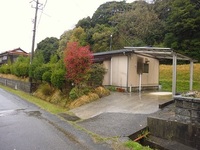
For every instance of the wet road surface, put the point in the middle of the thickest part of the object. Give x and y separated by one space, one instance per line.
23 126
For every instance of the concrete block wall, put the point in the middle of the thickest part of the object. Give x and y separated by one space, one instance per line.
185 133
188 108
181 125
15 84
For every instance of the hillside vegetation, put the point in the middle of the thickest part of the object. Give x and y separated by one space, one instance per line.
183 77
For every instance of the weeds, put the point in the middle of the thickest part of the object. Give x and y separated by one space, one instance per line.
136 146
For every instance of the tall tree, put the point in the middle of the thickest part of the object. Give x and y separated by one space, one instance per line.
79 35
105 11
101 37
64 39
84 23
47 47
140 25
183 26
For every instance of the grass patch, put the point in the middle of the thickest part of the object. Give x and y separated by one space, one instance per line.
40 103
13 77
183 77
136 146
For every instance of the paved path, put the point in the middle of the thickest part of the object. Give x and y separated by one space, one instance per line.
120 114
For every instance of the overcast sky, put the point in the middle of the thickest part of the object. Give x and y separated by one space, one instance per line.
17 16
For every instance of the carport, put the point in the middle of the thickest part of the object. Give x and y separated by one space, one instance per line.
166 53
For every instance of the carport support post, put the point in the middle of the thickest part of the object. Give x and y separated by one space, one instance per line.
174 74
140 82
191 74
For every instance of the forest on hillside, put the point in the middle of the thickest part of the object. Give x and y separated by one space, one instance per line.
114 25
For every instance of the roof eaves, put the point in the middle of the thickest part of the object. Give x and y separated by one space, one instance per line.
113 52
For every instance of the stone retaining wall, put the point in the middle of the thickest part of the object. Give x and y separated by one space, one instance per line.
188 108
15 84
180 122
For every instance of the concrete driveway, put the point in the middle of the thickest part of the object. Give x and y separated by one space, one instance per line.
120 114
135 103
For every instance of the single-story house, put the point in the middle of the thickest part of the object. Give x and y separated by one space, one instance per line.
137 68
11 55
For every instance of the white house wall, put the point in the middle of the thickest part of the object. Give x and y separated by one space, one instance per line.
151 78
119 71
148 79
107 66
133 76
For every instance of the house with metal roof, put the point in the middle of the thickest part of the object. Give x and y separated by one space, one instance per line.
137 68
11 55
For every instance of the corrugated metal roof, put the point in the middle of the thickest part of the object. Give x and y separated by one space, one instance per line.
155 52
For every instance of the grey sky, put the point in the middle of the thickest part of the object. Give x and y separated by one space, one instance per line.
58 15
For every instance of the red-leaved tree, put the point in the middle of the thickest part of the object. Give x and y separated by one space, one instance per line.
78 61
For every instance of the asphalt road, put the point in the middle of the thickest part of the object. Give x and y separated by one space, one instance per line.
24 126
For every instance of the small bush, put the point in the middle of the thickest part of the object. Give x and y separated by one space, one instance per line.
39 71
58 78
20 68
111 88
77 92
97 73
47 76
74 93
5 69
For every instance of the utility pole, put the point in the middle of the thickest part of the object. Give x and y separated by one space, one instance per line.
33 40
34 30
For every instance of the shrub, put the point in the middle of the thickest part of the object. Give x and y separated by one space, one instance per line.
38 60
5 69
47 76
97 73
74 94
39 71
21 67
78 61
77 92
58 78
111 88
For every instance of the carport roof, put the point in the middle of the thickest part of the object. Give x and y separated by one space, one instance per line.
155 52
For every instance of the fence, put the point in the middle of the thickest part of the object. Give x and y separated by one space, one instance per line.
15 84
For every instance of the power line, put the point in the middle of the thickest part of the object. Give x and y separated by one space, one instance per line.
42 12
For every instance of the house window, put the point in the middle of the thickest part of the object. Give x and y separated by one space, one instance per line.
5 57
146 68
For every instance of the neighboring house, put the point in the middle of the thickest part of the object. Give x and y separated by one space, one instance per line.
11 55
135 68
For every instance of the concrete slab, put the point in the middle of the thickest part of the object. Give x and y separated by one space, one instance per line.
120 114
133 103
